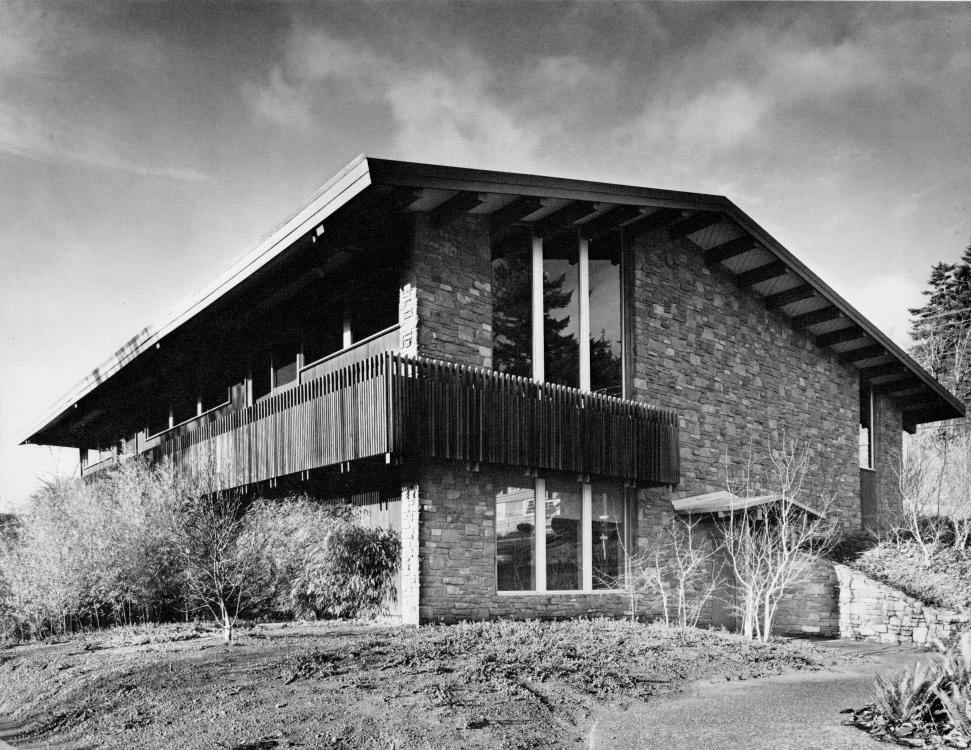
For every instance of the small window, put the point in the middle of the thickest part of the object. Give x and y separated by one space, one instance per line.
261 380
284 372
866 427
158 416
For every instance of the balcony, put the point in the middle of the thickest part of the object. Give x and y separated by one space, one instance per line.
393 407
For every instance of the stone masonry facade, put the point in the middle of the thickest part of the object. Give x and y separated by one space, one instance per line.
838 601
741 378
445 304
457 543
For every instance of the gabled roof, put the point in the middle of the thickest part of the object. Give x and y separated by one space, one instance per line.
720 230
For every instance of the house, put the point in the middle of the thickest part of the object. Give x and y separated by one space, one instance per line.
519 373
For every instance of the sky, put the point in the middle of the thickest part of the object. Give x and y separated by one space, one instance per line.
145 146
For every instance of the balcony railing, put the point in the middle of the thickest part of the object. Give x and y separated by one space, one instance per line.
396 406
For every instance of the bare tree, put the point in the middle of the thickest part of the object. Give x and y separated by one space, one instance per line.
222 552
771 546
678 572
920 479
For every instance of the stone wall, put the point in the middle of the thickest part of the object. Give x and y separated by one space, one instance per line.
837 600
457 544
874 611
445 306
740 376
812 606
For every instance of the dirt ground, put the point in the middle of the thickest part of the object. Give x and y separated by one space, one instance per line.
500 685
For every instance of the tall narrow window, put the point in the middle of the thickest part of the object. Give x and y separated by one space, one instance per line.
605 319
511 311
609 527
564 553
515 539
866 427
561 313
566 272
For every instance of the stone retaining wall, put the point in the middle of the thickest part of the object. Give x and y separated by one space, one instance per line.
874 611
839 601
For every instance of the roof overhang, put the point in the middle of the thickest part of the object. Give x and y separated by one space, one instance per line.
723 502
727 236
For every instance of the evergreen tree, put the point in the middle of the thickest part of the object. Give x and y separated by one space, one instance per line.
942 326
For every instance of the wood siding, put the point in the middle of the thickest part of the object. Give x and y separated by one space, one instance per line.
398 406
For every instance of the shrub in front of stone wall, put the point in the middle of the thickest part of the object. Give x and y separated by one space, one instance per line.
328 563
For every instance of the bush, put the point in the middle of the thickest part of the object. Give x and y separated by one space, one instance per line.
328 563
91 553
926 706
134 545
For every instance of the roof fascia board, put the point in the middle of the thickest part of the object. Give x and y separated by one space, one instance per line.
406 174
336 192
825 291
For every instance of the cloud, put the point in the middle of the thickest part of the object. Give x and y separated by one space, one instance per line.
452 114
44 113
21 138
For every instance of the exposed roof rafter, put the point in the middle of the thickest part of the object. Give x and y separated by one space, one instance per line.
727 250
695 223
860 354
840 336
825 315
763 273
789 296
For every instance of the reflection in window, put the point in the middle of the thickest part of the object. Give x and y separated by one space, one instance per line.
515 534
564 555
608 530
605 321
284 369
512 347
561 315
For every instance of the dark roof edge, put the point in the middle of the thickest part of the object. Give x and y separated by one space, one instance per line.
408 174
773 245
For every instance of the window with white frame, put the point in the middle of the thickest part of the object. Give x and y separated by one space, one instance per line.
573 541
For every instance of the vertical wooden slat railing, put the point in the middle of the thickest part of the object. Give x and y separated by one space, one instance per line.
411 407
449 411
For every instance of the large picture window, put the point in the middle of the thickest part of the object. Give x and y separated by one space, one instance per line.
575 540
580 342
